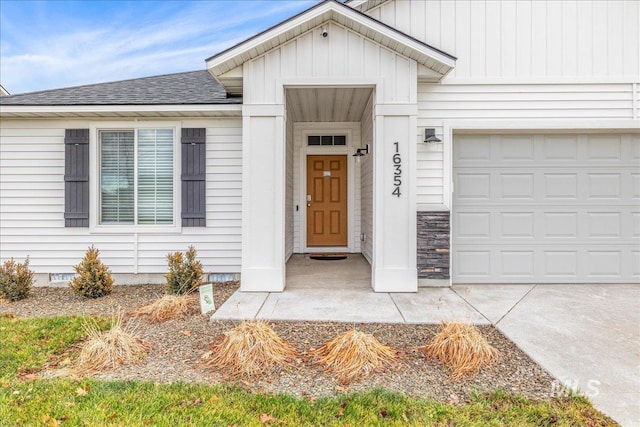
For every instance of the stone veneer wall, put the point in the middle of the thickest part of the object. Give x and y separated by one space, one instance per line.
433 245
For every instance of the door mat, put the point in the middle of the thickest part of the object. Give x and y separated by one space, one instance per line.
328 257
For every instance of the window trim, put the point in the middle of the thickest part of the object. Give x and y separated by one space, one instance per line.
94 179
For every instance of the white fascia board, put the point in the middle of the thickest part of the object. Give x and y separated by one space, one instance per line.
219 64
61 109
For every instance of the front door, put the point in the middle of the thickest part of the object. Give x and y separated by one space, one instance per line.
327 201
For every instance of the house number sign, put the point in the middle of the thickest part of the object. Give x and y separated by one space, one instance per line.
397 171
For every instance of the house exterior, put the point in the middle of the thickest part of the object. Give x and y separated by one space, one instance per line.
531 173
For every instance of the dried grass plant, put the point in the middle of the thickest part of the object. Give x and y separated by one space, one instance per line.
251 349
107 349
168 307
463 348
354 355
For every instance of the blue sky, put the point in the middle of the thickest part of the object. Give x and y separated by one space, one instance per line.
54 44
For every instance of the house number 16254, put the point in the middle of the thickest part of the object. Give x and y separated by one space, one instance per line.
397 171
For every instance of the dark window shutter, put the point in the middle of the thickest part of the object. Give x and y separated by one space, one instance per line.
194 178
76 178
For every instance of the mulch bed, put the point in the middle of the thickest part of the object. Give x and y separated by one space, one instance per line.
178 345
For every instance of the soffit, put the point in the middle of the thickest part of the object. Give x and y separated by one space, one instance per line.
343 104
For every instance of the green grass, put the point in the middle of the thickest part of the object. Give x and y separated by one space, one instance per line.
97 403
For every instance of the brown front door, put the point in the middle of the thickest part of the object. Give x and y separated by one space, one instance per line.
326 200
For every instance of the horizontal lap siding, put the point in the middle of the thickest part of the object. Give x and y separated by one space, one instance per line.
539 101
32 204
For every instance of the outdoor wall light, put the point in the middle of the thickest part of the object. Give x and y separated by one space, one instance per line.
362 151
430 135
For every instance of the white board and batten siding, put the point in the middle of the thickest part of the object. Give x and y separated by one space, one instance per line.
32 200
525 39
345 57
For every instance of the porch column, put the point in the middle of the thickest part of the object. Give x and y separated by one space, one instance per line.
394 266
263 198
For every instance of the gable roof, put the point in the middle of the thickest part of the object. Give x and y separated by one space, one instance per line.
435 59
194 87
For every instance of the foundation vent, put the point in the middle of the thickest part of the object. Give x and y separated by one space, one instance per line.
222 277
61 277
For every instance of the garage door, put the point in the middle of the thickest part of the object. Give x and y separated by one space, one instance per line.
559 208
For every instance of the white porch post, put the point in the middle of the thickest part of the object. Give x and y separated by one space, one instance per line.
394 266
263 198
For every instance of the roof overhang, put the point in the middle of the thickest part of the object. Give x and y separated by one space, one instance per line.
439 63
123 111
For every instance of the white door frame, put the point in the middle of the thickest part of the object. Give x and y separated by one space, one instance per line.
303 150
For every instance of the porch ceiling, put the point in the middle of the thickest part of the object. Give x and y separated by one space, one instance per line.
327 104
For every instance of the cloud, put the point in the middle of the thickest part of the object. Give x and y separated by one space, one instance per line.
124 41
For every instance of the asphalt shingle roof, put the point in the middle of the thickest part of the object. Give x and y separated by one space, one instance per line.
194 87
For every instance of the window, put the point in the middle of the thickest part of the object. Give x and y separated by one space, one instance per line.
136 176
326 140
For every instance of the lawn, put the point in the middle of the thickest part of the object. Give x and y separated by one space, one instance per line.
28 343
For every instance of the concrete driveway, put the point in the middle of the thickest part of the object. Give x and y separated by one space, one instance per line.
587 336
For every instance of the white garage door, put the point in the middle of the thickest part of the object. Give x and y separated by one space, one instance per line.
559 208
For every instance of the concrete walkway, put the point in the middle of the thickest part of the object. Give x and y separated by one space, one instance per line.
586 336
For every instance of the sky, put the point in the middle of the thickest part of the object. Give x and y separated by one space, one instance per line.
55 44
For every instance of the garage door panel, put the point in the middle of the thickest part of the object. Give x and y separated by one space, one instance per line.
473 263
473 186
560 263
560 148
516 186
605 263
604 186
604 224
516 225
516 148
472 225
560 225
560 186
474 149
604 147
546 209
517 263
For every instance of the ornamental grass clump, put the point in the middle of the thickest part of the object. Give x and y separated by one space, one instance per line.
107 349
185 272
93 279
354 355
462 348
168 307
16 280
251 349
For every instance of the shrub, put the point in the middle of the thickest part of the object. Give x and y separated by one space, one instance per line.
104 350
463 348
93 278
168 307
15 280
185 273
354 355
251 349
